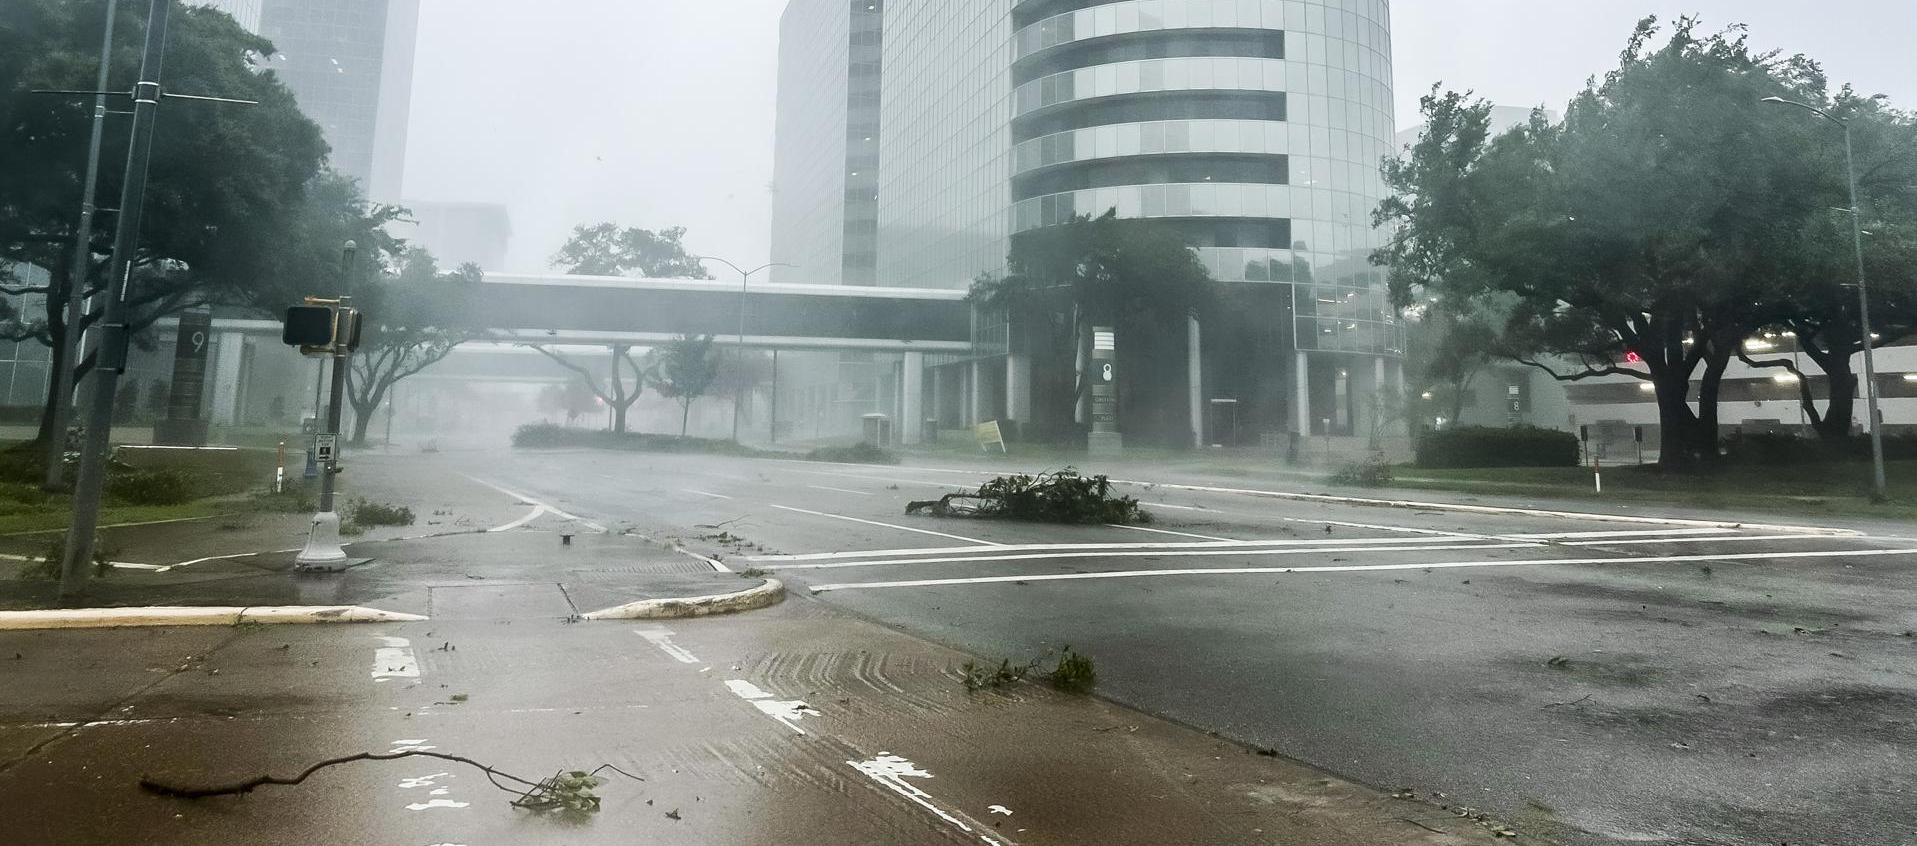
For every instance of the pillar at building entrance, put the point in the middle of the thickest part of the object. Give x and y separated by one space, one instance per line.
912 399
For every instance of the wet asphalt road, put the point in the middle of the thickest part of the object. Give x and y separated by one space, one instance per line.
1598 682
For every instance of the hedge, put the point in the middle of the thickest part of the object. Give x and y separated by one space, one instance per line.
1483 446
1783 448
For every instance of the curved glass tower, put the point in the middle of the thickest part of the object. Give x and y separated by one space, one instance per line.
1255 128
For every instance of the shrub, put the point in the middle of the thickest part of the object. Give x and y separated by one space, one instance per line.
863 452
1075 673
1773 449
1482 446
550 436
150 487
1373 472
368 513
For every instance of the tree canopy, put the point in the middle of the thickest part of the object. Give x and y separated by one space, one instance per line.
413 319
1656 218
604 249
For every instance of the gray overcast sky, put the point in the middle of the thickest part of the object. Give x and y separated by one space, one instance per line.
660 112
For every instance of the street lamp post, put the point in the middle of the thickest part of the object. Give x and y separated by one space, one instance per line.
1878 488
738 395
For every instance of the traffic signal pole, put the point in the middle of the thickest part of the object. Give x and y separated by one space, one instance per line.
110 349
323 552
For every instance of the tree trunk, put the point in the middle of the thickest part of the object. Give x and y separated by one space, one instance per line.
56 307
1841 409
619 418
1677 424
1705 442
685 415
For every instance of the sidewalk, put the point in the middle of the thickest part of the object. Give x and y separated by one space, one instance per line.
528 572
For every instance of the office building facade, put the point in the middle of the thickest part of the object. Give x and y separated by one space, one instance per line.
350 65
1254 128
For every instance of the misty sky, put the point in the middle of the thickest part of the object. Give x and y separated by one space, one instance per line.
660 112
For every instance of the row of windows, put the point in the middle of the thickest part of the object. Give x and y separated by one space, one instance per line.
1187 74
1156 106
1245 43
1207 199
1156 169
1147 16
1166 136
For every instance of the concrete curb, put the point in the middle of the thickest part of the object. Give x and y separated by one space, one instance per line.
162 615
770 593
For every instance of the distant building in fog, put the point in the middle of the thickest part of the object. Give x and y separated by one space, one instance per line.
457 233
350 64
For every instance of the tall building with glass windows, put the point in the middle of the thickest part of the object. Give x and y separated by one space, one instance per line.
350 65
1254 128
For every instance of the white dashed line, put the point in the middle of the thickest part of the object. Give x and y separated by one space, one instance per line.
891 771
1357 568
394 660
1153 553
786 711
839 490
662 638
886 525
1165 532
706 493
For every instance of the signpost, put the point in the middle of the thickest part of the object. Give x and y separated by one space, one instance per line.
183 425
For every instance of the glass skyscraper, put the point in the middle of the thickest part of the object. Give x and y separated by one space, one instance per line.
1252 127
350 64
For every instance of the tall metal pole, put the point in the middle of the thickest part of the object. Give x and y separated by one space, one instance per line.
1878 488
77 275
110 349
738 391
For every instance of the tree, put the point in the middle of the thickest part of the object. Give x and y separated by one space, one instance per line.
1448 345
411 322
603 249
218 170
684 369
1636 225
571 399
614 392
1816 309
1133 275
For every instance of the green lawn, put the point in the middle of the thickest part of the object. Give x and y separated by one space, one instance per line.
1834 488
55 515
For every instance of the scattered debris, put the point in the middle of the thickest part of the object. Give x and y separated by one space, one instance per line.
567 791
1060 497
673 814
1558 661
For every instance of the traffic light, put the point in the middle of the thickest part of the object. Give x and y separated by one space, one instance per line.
308 326
321 329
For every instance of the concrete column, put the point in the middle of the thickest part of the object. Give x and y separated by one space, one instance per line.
1018 388
1301 395
975 403
938 396
226 378
912 399
1195 376
1377 403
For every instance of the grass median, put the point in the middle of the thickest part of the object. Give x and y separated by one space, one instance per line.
1838 488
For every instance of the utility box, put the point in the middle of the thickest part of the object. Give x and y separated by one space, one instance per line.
878 429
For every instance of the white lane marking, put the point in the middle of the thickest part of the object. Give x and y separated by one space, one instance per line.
891 771
1034 547
1175 507
395 660
212 558
840 490
1627 533
1153 553
746 689
417 744
1164 532
546 505
706 493
886 525
436 803
662 638
1353 568
1382 527
714 563
532 515
1594 516
1692 539
999 809
427 780
786 711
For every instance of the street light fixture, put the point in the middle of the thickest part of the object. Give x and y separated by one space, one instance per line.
1878 490
738 395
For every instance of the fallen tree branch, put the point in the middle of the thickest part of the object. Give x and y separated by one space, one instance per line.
568 790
